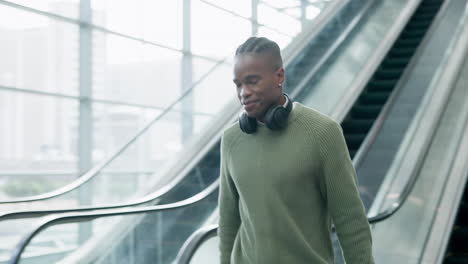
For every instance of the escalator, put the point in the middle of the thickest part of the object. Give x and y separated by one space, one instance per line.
457 252
171 226
376 93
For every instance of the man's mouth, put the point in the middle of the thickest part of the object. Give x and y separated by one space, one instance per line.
250 105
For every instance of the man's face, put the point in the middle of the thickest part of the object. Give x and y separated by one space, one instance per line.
257 82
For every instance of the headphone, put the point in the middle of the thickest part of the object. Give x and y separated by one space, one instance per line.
276 118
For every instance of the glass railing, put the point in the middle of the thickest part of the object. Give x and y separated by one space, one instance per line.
156 235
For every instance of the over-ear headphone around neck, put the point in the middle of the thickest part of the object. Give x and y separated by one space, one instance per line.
276 118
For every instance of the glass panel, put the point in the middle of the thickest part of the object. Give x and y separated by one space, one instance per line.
151 20
283 4
277 20
38 53
128 71
201 67
215 91
140 238
210 36
67 8
241 7
281 39
115 125
38 139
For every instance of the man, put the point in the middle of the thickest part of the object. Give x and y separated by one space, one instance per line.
286 175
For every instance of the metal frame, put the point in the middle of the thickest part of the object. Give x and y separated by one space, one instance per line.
93 100
244 17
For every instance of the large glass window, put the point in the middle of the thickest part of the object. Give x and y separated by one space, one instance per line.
133 72
66 8
215 32
38 53
156 21
134 67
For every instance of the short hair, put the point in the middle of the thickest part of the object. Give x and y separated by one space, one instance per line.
261 46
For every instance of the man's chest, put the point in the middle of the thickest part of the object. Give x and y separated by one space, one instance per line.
272 163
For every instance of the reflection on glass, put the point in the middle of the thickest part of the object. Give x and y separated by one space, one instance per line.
213 33
129 71
67 8
215 91
38 53
201 67
33 163
278 20
147 19
241 7
281 39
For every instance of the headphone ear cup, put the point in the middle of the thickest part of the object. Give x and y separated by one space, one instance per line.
247 124
276 117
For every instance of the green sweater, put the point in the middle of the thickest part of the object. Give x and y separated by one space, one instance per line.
280 191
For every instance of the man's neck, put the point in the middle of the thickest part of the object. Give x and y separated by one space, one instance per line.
282 101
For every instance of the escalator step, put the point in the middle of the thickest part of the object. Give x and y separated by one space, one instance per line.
365 111
428 9
419 24
354 126
401 53
456 259
457 240
425 16
408 42
378 85
395 63
413 32
354 141
374 98
384 74
462 216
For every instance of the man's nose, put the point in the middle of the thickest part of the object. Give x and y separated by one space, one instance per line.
244 92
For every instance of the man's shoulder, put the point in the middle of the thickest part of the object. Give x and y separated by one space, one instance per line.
231 133
315 119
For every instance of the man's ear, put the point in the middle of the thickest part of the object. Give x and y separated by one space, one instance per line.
280 75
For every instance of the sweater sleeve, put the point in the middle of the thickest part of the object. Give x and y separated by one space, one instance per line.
229 219
342 195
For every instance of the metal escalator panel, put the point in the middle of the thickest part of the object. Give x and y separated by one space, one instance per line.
371 101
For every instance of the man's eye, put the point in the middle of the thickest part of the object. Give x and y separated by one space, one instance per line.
253 82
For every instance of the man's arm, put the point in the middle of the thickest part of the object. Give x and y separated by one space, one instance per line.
342 195
229 219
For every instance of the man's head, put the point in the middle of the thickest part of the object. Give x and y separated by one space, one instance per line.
259 75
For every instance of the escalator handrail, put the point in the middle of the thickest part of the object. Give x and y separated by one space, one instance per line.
290 52
51 220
